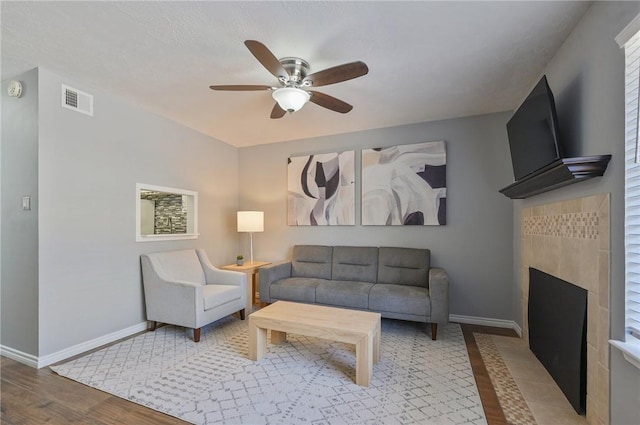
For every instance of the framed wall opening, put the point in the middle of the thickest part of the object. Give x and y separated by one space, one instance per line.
165 213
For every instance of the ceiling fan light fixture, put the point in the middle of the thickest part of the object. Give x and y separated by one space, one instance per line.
291 99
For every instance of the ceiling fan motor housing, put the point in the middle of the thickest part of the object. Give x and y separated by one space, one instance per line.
298 70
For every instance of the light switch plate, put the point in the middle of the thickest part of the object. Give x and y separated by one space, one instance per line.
26 203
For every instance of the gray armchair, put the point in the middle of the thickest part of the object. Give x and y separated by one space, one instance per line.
182 288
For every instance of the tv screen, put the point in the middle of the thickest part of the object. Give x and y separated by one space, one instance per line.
533 132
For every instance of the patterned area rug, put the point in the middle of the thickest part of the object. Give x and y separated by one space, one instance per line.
306 380
514 406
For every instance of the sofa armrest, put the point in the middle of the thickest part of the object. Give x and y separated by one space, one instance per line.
439 294
271 273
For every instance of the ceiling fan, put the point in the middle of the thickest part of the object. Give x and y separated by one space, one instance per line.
296 82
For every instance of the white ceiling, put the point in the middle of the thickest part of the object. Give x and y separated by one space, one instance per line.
427 60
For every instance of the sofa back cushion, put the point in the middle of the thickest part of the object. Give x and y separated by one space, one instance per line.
182 264
355 263
404 266
311 261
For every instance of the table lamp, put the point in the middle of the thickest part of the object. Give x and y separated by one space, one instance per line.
251 221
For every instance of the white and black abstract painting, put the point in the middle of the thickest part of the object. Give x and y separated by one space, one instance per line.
321 189
404 185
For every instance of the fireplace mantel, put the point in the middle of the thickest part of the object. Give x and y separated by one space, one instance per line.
559 173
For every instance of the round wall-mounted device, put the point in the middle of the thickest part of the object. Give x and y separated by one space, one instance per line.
14 88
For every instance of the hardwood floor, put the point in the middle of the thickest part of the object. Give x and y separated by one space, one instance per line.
37 396
490 403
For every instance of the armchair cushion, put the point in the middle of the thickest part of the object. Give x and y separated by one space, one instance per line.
181 265
217 295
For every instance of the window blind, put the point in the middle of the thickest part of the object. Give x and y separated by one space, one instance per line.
632 185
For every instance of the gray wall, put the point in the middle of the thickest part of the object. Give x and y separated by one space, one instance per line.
19 235
89 271
474 246
587 78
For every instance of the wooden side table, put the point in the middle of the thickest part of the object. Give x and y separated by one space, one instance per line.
250 268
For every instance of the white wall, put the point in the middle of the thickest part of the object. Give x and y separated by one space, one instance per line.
587 78
19 277
474 246
89 272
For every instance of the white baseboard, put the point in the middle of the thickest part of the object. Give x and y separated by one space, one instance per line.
83 347
484 321
19 356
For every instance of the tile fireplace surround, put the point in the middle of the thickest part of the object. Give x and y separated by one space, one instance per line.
570 240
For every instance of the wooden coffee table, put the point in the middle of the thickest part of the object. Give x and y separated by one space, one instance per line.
361 328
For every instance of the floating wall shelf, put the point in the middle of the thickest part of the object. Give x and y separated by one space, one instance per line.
557 174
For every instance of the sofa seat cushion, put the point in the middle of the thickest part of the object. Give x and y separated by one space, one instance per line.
344 294
217 295
299 289
400 299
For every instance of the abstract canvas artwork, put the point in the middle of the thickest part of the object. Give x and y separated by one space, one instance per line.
321 189
404 185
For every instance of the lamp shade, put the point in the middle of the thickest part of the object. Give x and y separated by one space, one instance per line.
291 99
250 221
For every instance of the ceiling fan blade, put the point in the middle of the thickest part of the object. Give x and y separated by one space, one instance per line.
338 74
330 102
240 87
277 112
266 58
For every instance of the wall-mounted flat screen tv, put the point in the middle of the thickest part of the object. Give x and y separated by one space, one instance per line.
533 132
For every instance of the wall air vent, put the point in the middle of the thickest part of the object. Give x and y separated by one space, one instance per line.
77 100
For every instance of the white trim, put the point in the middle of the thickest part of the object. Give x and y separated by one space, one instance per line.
83 347
628 31
484 321
90 345
19 356
630 350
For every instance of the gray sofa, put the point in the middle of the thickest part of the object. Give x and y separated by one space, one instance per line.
399 283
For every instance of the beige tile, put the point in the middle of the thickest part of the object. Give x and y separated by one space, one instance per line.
543 393
592 203
550 415
524 276
589 262
500 341
516 353
603 278
604 230
592 319
553 209
528 370
571 206
592 371
527 212
603 336
525 318
570 260
602 401
537 211
552 254
537 252
527 251
592 416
